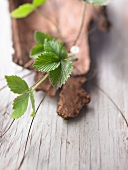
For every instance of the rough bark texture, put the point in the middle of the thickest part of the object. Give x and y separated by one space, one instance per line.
67 16
72 98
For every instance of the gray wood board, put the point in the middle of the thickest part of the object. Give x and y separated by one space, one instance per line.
98 138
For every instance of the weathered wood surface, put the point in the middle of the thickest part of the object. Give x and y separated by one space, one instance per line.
98 138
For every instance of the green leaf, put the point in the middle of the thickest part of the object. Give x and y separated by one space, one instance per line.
20 105
97 2
33 114
46 62
23 11
16 84
55 48
36 51
32 101
38 2
40 37
60 75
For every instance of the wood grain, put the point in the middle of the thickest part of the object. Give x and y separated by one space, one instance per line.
98 138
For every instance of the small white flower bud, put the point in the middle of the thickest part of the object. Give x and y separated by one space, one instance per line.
75 49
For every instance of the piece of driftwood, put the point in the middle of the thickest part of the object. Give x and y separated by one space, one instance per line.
23 29
72 98
65 23
95 140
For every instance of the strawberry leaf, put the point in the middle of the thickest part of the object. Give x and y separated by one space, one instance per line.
16 84
56 48
20 105
46 62
32 101
36 51
38 2
54 60
23 10
40 37
60 75
97 2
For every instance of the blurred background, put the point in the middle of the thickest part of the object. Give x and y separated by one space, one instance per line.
98 138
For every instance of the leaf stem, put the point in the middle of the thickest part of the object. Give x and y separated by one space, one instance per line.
81 24
29 63
70 55
73 59
40 81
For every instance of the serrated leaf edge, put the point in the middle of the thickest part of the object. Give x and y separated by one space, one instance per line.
18 77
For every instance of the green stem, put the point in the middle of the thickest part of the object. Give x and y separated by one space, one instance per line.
81 24
70 55
40 81
73 59
39 12
28 64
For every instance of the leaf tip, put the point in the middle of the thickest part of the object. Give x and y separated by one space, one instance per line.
33 114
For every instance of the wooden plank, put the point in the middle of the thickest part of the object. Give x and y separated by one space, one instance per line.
98 138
